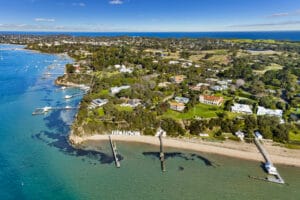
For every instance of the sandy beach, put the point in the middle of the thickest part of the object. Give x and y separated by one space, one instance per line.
279 155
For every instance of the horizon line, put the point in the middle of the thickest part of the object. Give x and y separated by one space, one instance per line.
217 31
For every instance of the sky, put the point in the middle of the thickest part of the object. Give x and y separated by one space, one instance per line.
149 15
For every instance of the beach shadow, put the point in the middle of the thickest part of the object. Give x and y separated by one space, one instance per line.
187 157
58 138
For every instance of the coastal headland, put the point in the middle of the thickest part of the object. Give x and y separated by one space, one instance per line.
220 89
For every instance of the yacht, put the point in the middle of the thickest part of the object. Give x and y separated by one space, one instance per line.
68 97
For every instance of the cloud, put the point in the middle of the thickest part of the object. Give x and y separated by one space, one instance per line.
44 20
81 4
283 23
279 15
116 2
284 14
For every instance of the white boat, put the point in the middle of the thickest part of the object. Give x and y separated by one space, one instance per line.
271 169
68 97
63 87
68 107
47 109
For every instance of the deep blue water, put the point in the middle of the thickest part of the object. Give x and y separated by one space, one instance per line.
276 35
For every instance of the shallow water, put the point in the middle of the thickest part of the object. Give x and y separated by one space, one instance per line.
36 161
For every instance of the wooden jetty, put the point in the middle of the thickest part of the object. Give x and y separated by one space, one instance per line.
274 175
162 155
114 150
46 109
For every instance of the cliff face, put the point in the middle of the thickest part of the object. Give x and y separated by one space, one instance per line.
63 81
74 139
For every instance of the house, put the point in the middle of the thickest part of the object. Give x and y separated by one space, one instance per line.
240 135
219 87
76 67
164 84
178 79
203 134
177 106
160 132
258 135
116 90
129 133
264 111
118 66
98 103
241 108
186 64
123 69
182 100
174 62
200 86
211 80
131 103
212 100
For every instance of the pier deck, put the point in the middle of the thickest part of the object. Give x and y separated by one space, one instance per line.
275 178
162 155
114 150
41 111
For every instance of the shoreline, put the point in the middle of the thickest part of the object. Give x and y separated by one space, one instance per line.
239 150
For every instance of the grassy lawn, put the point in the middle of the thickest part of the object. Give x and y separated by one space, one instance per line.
104 92
200 110
294 137
273 66
124 108
100 112
295 110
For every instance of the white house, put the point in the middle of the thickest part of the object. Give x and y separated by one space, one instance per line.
116 90
240 135
182 100
241 108
174 62
131 103
258 135
219 87
98 103
123 69
212 100
264 111
160 132
203 134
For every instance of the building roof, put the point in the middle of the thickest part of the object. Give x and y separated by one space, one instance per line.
264 111
211 98
172 103
241 108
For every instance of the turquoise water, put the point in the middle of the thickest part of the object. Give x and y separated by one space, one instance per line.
36 161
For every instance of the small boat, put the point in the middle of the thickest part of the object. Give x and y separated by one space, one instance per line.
68 107
68 97
63 87
271 169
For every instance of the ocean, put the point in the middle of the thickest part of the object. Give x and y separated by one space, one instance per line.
274 35
36 161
